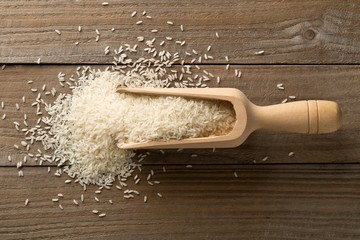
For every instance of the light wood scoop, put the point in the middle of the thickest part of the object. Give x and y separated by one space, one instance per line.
310 117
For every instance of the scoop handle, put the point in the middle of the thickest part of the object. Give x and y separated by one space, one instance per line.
311 117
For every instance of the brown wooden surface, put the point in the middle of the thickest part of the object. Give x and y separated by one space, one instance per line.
257 82
205 202
310 46
289 32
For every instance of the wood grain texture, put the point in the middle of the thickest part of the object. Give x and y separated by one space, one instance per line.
336 83
289 32
281 202
312 195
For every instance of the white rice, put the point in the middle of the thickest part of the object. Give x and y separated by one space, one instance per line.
87 125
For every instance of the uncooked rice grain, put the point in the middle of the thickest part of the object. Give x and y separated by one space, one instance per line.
261 52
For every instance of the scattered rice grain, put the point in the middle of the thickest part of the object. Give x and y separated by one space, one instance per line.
259 52
280 86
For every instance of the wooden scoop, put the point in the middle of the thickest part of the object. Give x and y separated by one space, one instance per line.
311 117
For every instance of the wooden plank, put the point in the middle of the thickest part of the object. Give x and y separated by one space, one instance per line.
264 202
289 32
337 83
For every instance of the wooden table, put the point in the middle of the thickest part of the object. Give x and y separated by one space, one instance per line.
312 47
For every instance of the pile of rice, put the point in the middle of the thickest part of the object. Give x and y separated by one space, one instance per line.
87 124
